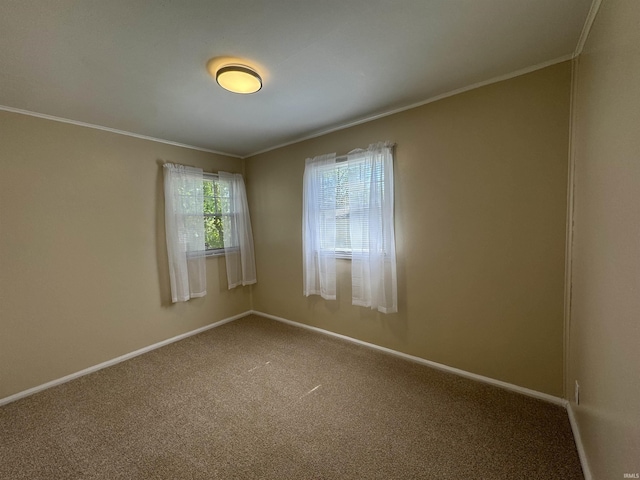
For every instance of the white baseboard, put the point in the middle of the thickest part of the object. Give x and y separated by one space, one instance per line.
412 358
456 371
122 358
579 445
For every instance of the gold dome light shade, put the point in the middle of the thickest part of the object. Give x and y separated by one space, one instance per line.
238 79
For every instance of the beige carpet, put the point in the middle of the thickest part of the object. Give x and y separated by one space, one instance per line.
256 399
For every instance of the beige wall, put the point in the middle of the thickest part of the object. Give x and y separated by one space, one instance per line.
480 223
480 201
83 269
605 321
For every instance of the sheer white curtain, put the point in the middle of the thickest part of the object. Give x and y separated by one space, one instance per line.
319 227
373 249
236 228
184 225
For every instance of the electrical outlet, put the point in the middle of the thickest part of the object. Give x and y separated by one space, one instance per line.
576 395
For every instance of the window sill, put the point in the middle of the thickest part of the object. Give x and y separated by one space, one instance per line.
346 255
218 252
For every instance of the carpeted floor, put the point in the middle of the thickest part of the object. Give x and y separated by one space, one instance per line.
257 399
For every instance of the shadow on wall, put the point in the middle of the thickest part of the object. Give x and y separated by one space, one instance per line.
221 262
395 324
315 302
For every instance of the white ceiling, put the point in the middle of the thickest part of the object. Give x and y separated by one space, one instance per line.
140 65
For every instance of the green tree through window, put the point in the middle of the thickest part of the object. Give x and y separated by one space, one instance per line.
216 203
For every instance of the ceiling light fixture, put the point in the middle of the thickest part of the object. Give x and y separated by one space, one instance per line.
238 79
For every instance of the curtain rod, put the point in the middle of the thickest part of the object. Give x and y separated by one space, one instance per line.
343 158
204 174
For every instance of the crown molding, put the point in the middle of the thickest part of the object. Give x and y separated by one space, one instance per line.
586 29
507 76
112 130
500 78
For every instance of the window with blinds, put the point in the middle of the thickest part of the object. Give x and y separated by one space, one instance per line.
351 184
348 212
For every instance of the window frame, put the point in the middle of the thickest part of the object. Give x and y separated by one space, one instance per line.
342 252
212 252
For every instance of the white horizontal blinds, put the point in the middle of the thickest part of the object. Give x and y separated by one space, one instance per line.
348 206
364 198
319 227
347 179
184 226
337 182
331 204
371 219
238 236
341 173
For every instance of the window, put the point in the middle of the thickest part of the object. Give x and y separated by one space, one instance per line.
206 214
348 211
216 208
347 182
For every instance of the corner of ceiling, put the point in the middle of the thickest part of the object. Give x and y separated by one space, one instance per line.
588 23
